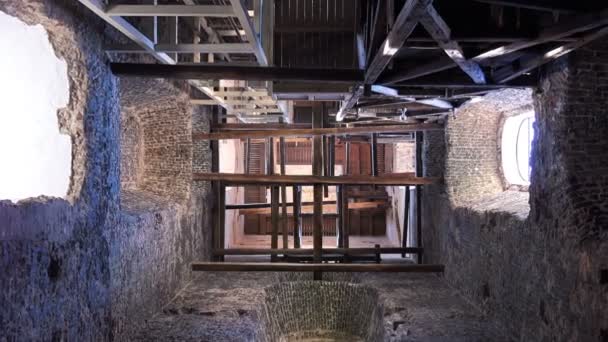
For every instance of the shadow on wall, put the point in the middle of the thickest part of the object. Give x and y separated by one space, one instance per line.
54 256
161 226
544 263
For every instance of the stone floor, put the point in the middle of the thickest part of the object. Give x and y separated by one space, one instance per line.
219 306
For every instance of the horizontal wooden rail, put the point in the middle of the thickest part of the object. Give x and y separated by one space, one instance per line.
234 72
306 132
305 251
327 208
288 267
241 178
267 205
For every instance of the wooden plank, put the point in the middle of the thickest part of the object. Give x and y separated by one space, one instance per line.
419 166
274 199
317 170
528 63
406 218
236 72
327 208
308 251
169 11
203 48
241 178
564 29
316 267
267 205
403 27
297 218
284 221
443 63
535 5
303 132
439 30
239 11
256 126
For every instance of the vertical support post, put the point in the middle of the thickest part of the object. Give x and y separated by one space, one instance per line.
215 166
406 218
419 140
317 170
274 219
284 223
247 154
222 218
374 153
340 220
344 194
297 217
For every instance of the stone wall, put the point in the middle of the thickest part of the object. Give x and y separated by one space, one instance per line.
539 278
161 228
54 266
96 265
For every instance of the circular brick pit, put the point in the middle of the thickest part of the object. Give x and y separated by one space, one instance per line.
320 311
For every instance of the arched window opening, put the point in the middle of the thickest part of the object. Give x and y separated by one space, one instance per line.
517 137
36 158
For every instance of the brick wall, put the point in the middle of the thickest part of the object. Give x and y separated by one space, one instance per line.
537 277
165 219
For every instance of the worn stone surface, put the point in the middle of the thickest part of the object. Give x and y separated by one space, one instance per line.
163 217
303 310
218 306
96 265
538 278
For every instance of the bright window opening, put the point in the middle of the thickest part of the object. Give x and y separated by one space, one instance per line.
517 136
35 158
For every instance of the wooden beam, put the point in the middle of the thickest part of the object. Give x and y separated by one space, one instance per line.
303 132
406 218
309 208
432 67
439 30
284 222
307 251
226 72
169 11
419 170
563 29
316 267
528 63
317 171
255 126
274 198
535 5
98 7
239 11
403 27
204 48
297 218
241 178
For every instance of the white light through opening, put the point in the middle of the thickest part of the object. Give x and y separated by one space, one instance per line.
517 136
35 158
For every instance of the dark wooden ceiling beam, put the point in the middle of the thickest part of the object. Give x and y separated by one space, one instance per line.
530 62
403 27
226 72
248 178
536 5
565 29
443 63
302 132
439 30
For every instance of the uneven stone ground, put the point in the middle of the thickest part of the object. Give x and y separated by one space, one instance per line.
219 306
